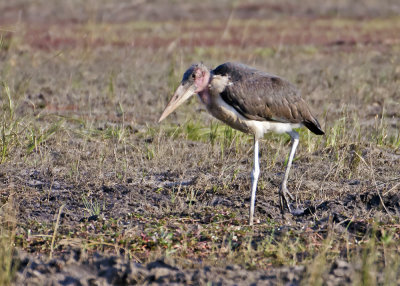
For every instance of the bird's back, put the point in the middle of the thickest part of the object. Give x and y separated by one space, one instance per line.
261 96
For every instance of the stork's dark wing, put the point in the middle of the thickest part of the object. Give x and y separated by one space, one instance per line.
261 96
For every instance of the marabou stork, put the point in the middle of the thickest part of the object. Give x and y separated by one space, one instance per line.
253 102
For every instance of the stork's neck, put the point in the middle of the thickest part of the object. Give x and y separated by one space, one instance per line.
205 96
203 89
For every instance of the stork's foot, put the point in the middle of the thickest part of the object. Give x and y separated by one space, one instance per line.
284 201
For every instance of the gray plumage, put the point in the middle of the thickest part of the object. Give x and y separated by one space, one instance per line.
261 96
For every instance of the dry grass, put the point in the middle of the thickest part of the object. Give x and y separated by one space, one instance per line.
79 128
7 237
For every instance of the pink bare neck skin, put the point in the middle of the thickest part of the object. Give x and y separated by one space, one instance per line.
202 80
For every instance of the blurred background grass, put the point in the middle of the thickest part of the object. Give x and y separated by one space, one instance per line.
84 82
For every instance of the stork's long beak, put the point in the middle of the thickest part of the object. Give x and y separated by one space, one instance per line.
183 93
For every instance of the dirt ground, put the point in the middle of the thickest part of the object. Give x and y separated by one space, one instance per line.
95 192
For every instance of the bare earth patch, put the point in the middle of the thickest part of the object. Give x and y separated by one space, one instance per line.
94 192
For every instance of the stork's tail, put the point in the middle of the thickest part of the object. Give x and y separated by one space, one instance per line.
314 126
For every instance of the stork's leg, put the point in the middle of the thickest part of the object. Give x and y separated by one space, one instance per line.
283 192
254 179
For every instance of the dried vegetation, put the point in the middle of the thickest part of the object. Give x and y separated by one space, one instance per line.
93 180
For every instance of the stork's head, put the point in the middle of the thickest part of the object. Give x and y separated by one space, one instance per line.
194 80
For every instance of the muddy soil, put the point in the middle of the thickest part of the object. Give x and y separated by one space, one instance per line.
74 269
97 201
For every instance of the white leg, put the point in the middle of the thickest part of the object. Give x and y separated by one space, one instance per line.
254 179
283 192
